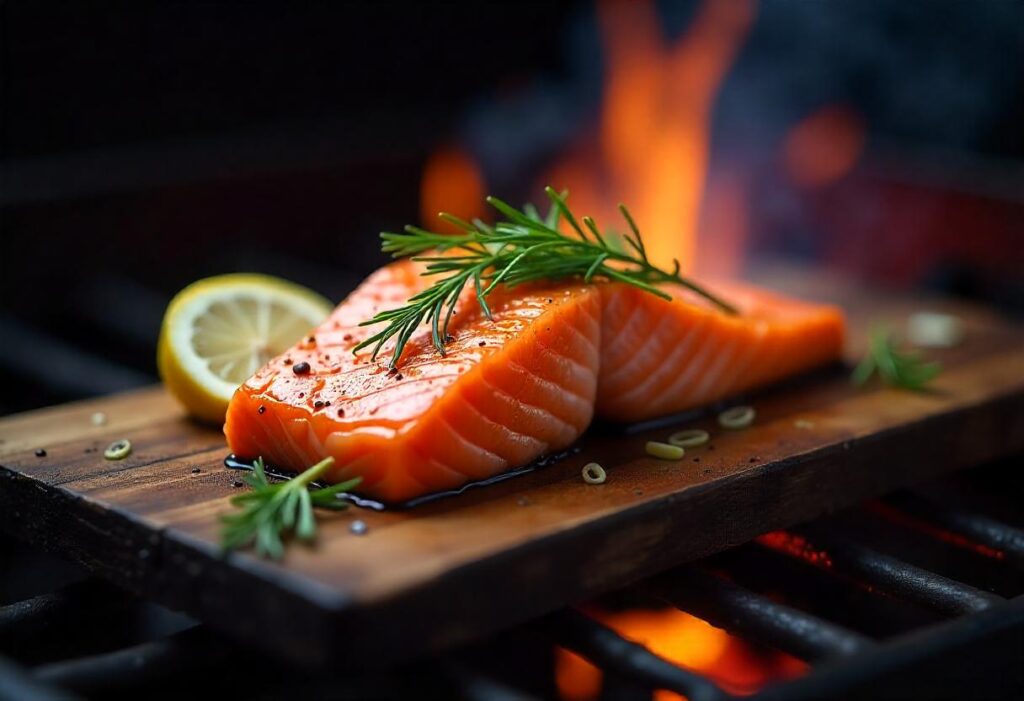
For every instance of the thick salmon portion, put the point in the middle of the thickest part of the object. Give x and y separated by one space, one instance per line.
512 389
660 357
507 391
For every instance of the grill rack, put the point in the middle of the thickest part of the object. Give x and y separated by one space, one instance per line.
928 632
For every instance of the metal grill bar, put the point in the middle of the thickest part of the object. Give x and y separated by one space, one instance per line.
978 527
48 614
187 653
978 655
15 683
608 650
740 610
900 578
78 619
476 686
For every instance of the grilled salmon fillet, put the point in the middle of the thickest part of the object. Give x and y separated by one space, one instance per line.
661 357
506 392
513 388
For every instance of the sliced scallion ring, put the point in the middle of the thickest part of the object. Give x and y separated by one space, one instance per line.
690 438
737 417
118 450
594 473
664 451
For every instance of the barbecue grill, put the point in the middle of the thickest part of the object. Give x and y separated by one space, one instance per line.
915 595
161 144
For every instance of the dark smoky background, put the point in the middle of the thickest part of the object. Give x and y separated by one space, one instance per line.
145 145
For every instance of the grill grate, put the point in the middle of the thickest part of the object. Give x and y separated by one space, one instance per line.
850 594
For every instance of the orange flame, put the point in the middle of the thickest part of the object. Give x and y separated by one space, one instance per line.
451 182
655 122
684 640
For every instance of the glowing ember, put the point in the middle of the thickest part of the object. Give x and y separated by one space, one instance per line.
934 530
795 545
685 640
655 122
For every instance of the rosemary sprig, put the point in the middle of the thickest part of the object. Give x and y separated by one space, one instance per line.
272 509
520 248
896 368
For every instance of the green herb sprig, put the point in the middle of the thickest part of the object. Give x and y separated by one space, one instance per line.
272 509
522 247
896 368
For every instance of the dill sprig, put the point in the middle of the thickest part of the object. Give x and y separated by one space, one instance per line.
522 247
896 368
271 509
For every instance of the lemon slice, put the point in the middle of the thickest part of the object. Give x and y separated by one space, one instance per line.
218 331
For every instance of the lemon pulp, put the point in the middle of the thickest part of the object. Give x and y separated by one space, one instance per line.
218 331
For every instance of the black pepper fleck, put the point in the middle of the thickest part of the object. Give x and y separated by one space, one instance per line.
287 361
301 368
40 453
237 483
482 344
449 338
196 470
696 459
754 459
318 404
399 376
311 339
550 300
707 471
261 409
341 413
301 395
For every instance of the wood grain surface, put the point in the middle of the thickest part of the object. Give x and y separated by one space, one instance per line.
450 571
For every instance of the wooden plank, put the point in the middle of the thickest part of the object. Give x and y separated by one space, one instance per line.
74 422
455 569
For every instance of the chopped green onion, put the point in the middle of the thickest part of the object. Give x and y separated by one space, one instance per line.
594 473
689 438
118 450
934 330
664 451
737 417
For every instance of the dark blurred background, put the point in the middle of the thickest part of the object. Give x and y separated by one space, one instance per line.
144 145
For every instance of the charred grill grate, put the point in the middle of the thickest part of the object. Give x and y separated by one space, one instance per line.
904 597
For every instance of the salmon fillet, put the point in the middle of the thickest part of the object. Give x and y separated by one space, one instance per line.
506 392
512 389
660 357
